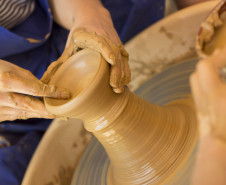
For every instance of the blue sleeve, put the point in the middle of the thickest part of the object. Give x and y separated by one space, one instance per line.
132 16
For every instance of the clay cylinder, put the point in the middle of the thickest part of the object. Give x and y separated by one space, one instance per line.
146 143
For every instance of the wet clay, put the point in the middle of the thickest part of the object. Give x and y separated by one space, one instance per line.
218 41
211 34
146 143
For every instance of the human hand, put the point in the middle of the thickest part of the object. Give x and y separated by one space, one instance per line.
209 92
17 88
95 30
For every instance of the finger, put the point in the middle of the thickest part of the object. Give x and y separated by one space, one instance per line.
118 89
54 66
51 70
8 113
7 66
23 102
120 72
127 73
12 82
83 39
116 75
123 51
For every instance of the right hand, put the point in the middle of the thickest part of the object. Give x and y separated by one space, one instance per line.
96 31
17 90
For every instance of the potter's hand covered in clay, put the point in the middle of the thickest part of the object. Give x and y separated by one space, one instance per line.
209 92
91 27
16 84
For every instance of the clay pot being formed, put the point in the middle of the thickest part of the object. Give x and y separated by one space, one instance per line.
146 143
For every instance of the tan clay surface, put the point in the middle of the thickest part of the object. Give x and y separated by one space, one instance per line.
146 143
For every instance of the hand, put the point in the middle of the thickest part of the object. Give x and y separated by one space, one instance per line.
209 92
15 82
96 31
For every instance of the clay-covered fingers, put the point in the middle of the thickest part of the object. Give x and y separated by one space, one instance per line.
54 66
114 53
17 106
126 68
120 74
11 81
83 39
116 76
10 114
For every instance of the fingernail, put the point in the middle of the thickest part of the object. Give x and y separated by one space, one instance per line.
112 58
118 90
114 81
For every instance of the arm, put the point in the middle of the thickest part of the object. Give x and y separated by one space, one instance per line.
210 167
186 3
209 92
91 27
67 12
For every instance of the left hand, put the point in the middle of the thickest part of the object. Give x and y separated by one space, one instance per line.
209 92
95 30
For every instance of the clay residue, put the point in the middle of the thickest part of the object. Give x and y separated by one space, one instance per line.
12 99
63 177
164 31
143 72
31 40
208 28
28 99
218 40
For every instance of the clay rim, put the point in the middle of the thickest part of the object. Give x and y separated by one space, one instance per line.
81 97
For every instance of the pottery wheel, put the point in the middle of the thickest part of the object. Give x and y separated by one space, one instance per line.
169 85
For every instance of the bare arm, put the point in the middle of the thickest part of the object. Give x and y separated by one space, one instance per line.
210 167
67 12
186 3
209 92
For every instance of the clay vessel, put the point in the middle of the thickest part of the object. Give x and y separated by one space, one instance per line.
146 143
212 35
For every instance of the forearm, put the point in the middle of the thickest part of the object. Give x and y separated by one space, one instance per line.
67 12
210 168
186 3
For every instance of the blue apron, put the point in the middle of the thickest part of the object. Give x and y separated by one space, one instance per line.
33 45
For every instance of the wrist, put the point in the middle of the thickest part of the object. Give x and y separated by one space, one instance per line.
212 146
210 164
90 14
68 12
